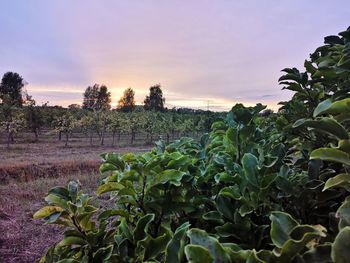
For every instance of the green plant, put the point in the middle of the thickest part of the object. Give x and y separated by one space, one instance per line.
244 192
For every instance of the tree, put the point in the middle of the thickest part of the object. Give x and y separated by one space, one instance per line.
127 102
104 99
65 124
11 88
74 106
12 121
115 125
33 115
97 98
155 100
90 97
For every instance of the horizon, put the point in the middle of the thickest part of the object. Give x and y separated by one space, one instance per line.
222 52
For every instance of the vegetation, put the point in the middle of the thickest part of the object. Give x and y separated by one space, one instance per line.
97 98
11 89
254 189
127 102
155 100
95 118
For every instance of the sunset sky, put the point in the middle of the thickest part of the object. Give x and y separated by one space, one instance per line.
221 51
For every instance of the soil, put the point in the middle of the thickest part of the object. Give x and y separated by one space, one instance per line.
27 172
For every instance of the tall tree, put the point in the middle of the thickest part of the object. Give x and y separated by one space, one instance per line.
127 102
11 88
155 100
97 98
104 99
33 116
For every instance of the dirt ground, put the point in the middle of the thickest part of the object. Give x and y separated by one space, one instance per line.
25 161
27 172
22 238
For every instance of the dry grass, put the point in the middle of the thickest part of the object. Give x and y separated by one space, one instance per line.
47 159
24 239
27 172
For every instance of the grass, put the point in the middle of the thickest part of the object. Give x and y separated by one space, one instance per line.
24 239
27 172
49 158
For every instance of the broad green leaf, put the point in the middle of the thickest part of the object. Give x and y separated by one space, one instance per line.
155 246
331 154
336 107
325 124
114 159
340 247
300 236
103 253
124 228
61 192
71 240
213 216
175 248
232 192
53 218
142 227
170 176
46 211
253 258
113 212
73 189
281 225
250 167
245 209
198 254
341 180
321 107
109 187
344 145
107 167
201 238
57 200
343 213
225 206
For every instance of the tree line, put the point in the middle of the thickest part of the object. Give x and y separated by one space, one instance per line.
95 118
97 97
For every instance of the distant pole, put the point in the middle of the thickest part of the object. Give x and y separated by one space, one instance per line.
208 104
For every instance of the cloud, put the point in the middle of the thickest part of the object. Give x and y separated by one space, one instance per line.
199 50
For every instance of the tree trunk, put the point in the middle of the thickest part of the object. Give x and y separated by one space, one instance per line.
132 137
67 136
113 138
36 134
91 135
99 134
102 137
59 135
8 139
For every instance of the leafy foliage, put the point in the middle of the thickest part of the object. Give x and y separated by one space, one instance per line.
155 100
97 98
127 102
245 192
11 89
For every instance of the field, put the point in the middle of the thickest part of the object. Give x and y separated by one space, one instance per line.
27 172
24 160
252 186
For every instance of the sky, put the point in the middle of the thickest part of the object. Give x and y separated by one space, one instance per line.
202 52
